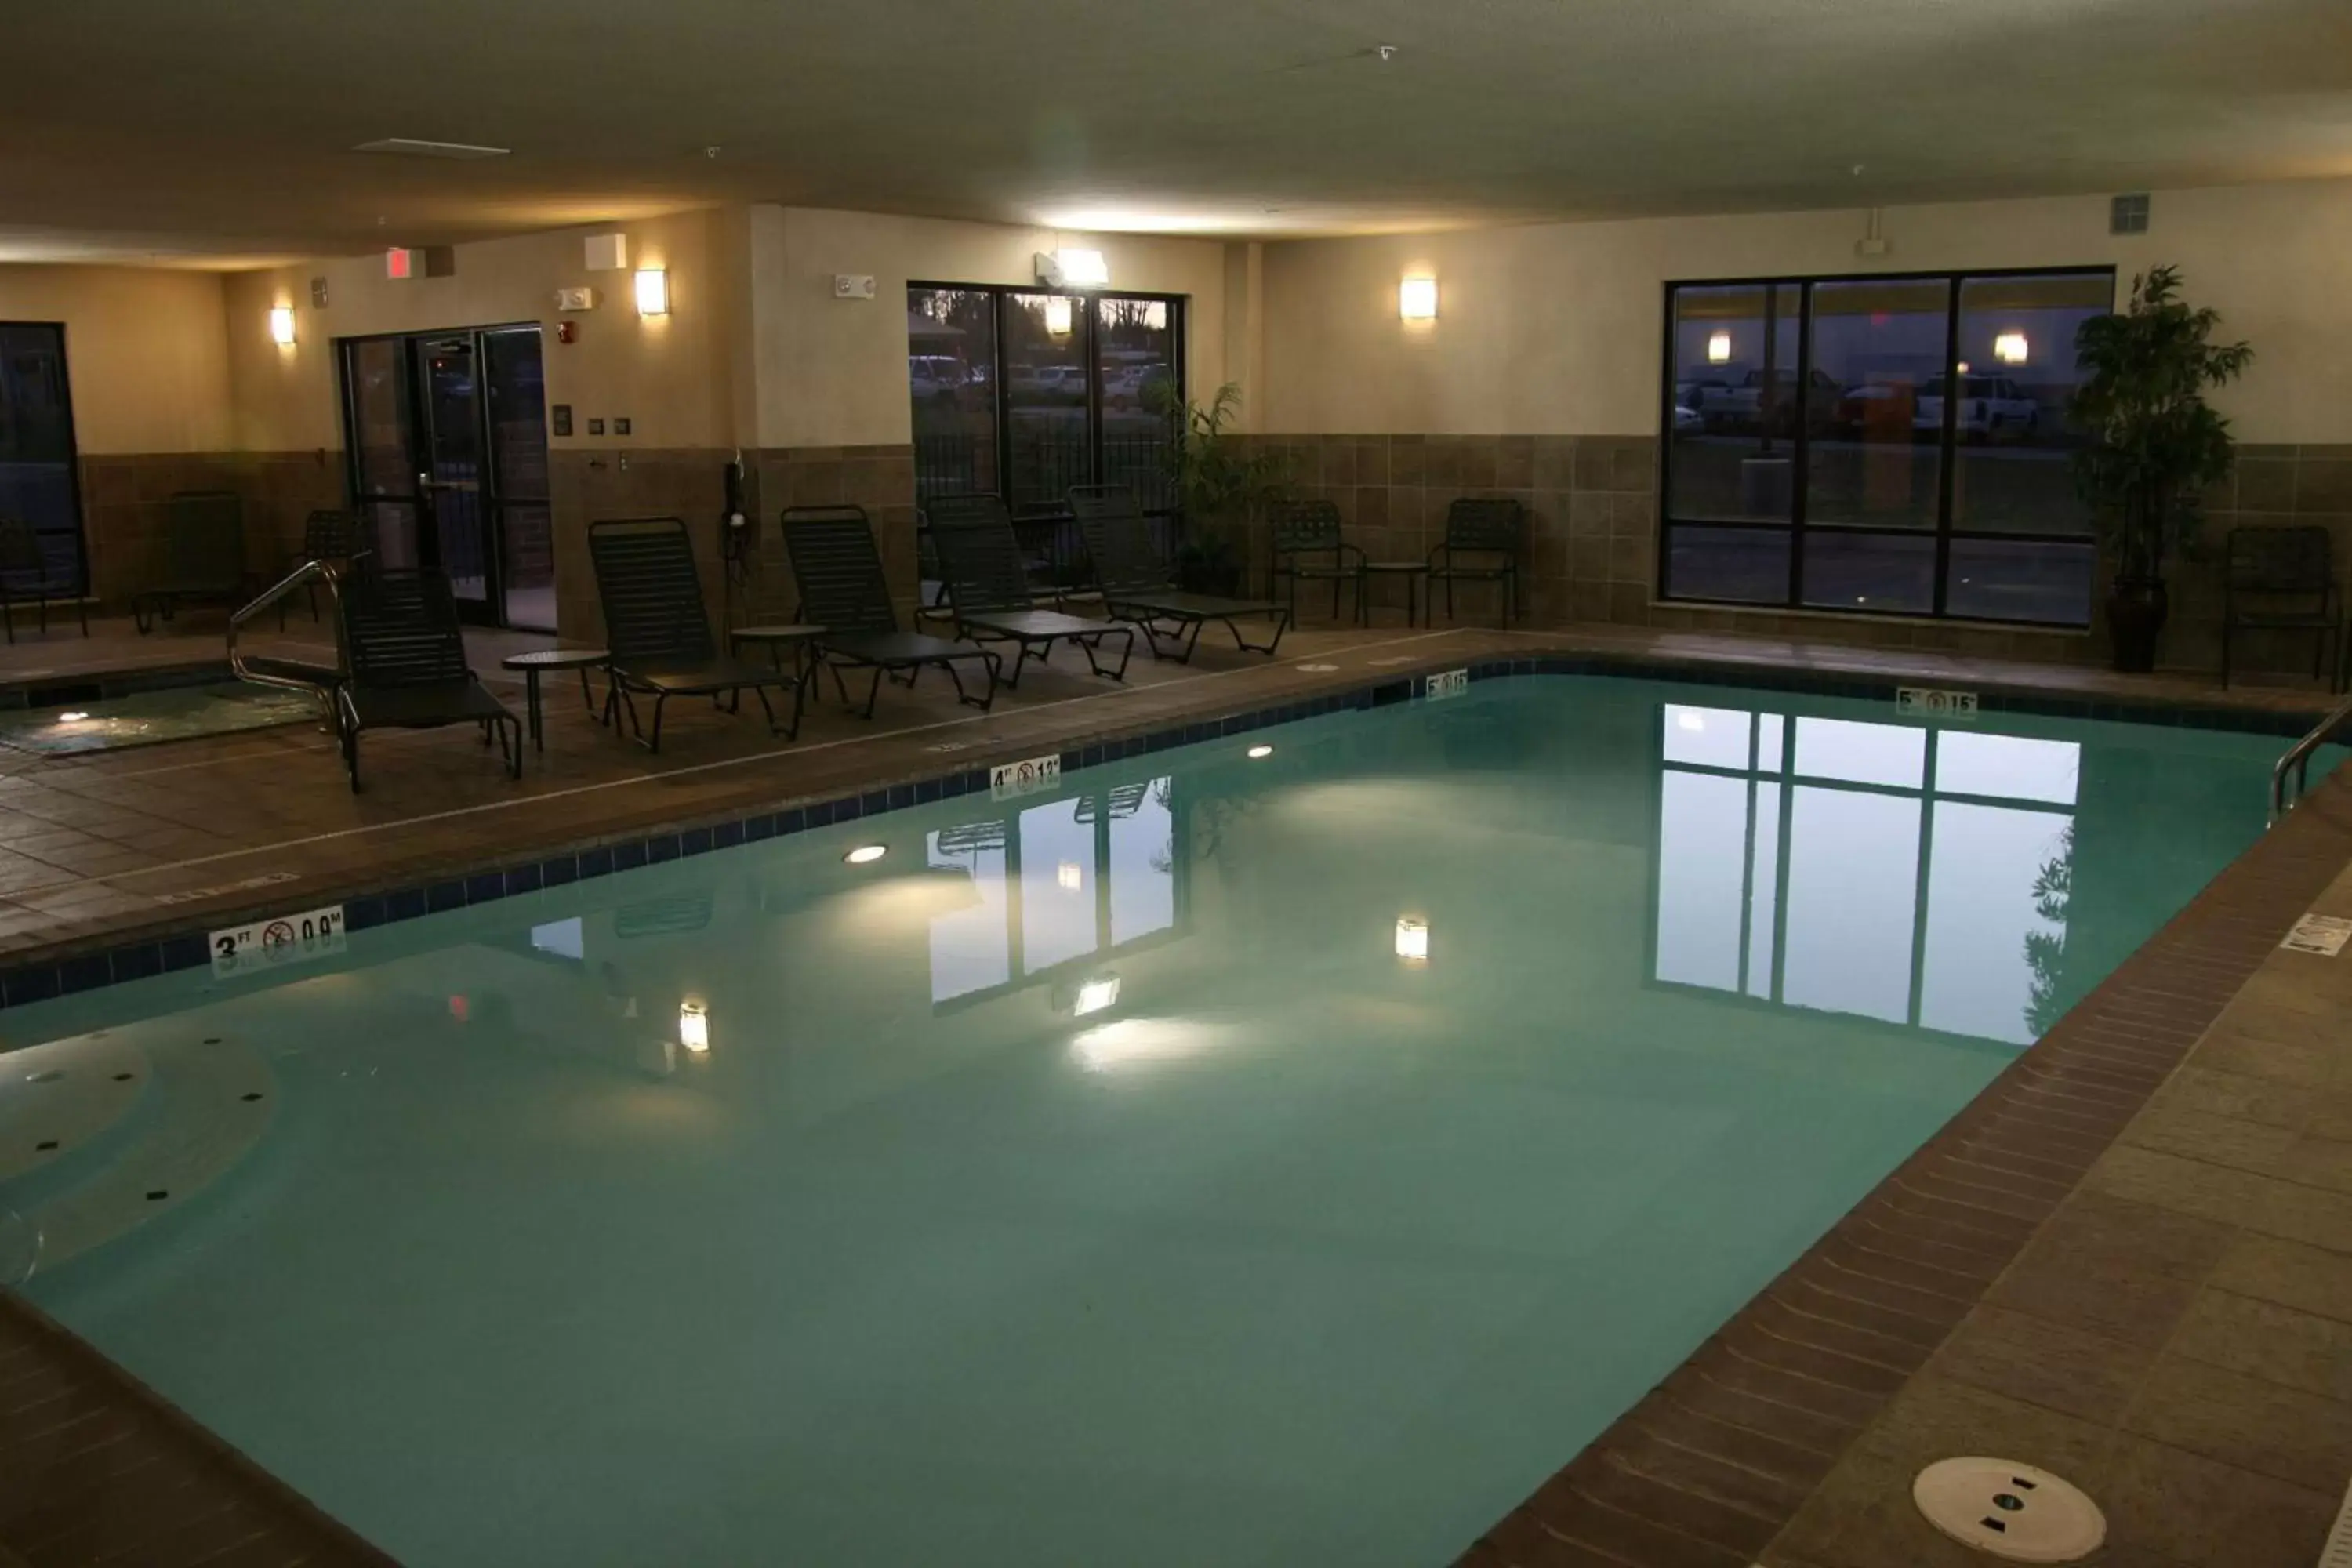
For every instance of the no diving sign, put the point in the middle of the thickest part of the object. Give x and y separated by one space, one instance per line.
2322 934
287 939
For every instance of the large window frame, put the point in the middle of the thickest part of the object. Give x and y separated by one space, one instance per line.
1796 524
75 580
1157 500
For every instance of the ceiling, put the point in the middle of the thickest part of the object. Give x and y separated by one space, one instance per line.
219 134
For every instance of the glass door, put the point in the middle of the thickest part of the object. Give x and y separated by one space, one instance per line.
447 432
450 474
525 530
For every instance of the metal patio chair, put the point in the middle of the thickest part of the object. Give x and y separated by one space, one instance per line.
203 558
1133 580
25 573
1486 529
1303 532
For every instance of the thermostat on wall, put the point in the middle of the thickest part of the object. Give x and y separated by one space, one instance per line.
575 298
853 285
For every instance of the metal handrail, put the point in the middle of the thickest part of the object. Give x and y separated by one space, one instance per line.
2297 761
309 572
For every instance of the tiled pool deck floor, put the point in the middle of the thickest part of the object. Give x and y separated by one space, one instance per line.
2130 1261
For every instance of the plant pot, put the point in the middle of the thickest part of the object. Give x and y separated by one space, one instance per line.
2135 614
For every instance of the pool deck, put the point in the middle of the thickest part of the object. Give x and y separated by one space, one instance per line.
2129 1261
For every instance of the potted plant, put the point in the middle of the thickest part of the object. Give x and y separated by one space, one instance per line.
1222 484
2155 446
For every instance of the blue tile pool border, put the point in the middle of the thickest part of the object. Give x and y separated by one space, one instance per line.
69 972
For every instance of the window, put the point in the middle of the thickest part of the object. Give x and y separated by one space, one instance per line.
1886 871
1024 393
1885 445
1055 889
38 479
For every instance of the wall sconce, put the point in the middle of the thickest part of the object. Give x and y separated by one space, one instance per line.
1069 876
2010 348
694 1027
1412 940
1719 349
1057 315
281 325
1095 994
1073 268
1963 367
653 291
1417 299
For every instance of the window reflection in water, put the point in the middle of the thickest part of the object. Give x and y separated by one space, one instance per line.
1913 875
1059 885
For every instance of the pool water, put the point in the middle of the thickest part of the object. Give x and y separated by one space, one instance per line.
1088 1179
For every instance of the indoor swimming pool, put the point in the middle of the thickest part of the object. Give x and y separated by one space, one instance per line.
1290 1147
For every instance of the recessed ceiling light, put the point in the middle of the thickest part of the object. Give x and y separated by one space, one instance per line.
1261 751
866 853
413 147
74 718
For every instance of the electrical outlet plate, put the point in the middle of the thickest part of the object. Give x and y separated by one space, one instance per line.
853 285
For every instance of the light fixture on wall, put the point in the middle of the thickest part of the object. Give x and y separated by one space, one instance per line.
1412 940
1719 349
653 291
281 325
1057 315
1073 268
2011 347
1417 299
1963 367
1094 994
694 1026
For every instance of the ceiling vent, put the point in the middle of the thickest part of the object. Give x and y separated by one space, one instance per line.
410 147
2128 215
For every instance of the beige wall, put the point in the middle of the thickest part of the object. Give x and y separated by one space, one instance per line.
144 348
833 373
667 375
1555 328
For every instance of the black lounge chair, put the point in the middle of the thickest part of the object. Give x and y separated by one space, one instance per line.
24 574
1489 530
407 655
1304 532
658 630
203 557
844 590
1134 585
979 560
2281 579
328 536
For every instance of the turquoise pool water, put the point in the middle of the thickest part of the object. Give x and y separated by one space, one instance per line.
1088 1179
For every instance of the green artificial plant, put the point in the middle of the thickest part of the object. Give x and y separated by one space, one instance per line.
1222 482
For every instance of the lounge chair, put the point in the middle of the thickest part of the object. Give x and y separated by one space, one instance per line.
327 535
24 574
1134 585
408 670
659 633
2281 579
988 593
204 549
843 589
1303 532
1486 529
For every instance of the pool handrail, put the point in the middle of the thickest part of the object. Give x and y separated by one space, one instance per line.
284 672
2297 761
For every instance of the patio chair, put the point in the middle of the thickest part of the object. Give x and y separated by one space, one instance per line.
25 573
844 590
1133 582
2281 580
658 632
1304 532
1488 531
988 592
406 656
328 534
203 557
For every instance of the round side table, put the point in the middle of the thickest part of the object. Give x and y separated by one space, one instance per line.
536 664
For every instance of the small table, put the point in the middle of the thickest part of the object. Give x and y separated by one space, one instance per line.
535 664
774 637
1415 573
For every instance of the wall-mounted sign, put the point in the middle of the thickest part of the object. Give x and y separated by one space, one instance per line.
559 416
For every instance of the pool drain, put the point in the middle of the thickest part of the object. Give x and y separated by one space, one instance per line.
2010 1509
